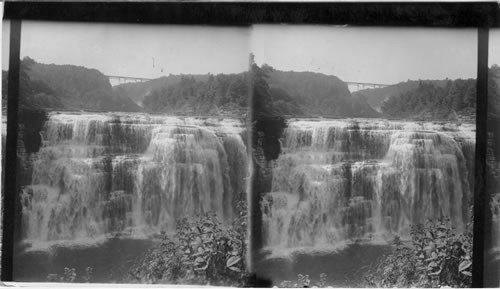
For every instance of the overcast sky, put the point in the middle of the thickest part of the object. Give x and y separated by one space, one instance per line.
5 44
148 51
376 55
494 49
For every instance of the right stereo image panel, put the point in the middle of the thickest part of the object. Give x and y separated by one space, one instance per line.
364 151
492 222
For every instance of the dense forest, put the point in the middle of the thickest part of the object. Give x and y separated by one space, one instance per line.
80 87
425 99
137 91
205 94
290 93
494 90
34 94
428 100
376 97
316 94
68 87
191 95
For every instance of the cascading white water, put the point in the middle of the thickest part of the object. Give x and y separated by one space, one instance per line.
339 180
101 174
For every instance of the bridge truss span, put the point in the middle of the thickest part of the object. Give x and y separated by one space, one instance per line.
355 86
120 79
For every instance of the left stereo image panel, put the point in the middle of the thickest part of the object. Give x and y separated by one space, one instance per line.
132 161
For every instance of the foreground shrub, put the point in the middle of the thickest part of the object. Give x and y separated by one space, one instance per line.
436 256
202 251
70 276
303 281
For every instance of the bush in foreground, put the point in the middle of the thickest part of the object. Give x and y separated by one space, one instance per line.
436 256
303 281
202 251
71 276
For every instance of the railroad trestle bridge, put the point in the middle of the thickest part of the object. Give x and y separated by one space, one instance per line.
352 85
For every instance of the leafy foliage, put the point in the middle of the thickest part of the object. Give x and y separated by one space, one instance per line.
70 276
202 251
303 281
436 256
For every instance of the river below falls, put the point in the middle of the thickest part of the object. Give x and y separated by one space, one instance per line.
133 175
344 267
339 181
110 261
113 259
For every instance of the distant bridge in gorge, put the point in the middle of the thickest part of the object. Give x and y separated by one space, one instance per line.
119 79
355 86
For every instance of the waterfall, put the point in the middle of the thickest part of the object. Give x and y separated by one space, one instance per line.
105 174
339 180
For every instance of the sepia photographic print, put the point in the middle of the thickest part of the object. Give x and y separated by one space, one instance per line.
244 152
